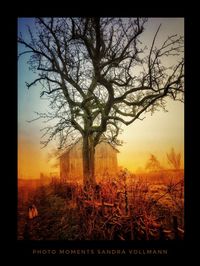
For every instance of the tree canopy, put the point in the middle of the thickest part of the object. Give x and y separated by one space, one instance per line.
98 75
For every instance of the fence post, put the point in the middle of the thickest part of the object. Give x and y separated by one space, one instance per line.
182 188
126 200
131 222
103 208
161 233
26 234
175 227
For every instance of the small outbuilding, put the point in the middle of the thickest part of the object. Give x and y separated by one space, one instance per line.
71 163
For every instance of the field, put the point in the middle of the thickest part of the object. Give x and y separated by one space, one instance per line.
148 206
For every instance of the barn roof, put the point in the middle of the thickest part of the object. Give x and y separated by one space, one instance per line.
104 140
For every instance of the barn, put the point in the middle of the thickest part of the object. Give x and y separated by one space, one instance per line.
71 165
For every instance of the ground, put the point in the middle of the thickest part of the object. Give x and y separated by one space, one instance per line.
128 207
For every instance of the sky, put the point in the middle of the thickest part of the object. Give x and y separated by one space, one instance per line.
156 134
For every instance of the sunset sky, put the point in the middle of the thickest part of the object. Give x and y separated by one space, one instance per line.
156 134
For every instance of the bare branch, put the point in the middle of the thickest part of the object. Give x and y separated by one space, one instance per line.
86 68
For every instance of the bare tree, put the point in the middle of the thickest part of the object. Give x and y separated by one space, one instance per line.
98 77
174 159
153 163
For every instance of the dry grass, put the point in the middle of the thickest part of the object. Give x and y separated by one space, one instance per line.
127 207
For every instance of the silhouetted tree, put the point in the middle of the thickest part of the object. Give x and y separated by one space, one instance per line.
174 159
153 163
98 77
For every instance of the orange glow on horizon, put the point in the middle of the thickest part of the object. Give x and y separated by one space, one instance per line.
32 160
156 135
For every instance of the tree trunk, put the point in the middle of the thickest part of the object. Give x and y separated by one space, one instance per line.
88 162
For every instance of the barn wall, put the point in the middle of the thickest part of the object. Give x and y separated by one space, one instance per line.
64 166
75 161
105 159
71 165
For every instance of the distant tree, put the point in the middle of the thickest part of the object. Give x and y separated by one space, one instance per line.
98 76
153 164
174 159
